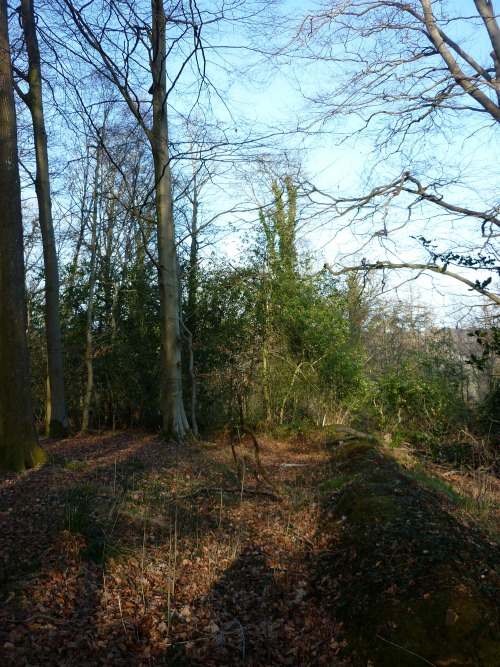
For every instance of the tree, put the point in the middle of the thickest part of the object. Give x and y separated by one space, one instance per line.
279 272
410 80
19 448
417 378
175 423
172 43
56 418
89 362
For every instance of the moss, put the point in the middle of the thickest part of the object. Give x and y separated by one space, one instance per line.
438 484
35 455
364 506
446 628
16 456
352 448
354 453
404 560
334 484
77 466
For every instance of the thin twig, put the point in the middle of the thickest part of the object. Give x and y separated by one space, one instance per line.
206 489
260 466
121 615
35 617
407 650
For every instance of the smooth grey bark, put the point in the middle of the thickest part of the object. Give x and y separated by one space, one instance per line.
434 268
56 416
19 447
175 424
487 13
467 83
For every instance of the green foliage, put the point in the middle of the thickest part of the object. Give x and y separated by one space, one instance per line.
224 355
457 453
488 414
273 347
79 501
79 519
489 341
126 344
135 464
478 262
420 391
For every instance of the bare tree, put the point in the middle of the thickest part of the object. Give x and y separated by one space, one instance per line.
404 62
56 418
149 51
175 421
87 399
19 448
411 77
123 68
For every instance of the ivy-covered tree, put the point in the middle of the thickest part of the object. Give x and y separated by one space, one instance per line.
274 345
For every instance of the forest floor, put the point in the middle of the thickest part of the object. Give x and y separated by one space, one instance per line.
124 550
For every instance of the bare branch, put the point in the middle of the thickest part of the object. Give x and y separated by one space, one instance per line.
442 270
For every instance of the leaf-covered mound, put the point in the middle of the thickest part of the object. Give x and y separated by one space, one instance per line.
412 582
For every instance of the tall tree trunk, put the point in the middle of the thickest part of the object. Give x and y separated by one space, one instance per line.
190 331
56 417
188 337
266 337
18 441
194 274
175 424
89 361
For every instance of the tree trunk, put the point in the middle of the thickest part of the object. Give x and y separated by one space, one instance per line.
18 441
89 362
175 424
56 417
266 337
193 280
193 275
192 377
